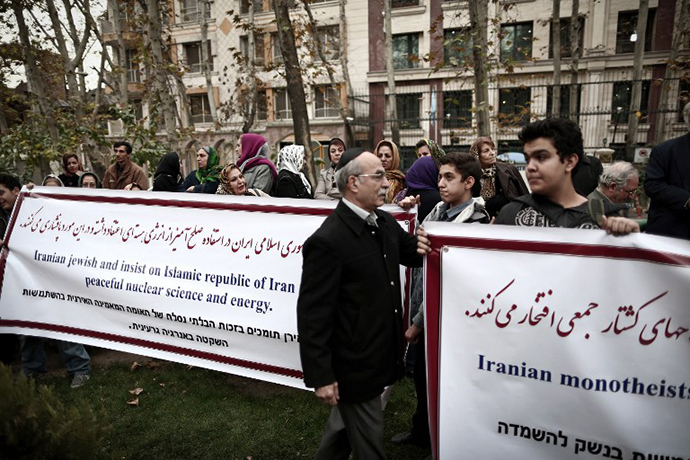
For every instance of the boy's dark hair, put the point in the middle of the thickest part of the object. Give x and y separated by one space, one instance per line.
126 144
467 165
10 181
565 135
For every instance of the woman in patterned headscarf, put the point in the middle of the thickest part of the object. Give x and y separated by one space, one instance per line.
292 183
205 179
428 147
501 182
253 161
388 153
232 183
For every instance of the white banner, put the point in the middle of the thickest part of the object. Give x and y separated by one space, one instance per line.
555 343
210 281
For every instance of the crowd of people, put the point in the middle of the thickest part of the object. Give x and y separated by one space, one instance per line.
349 309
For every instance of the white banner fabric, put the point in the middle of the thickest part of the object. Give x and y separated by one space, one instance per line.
557 343
210 281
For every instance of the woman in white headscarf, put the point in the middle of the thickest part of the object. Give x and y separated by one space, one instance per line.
291 182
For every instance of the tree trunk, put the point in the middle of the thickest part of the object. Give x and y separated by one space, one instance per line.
205 49
41 104
121 53
633 117
250 99
295 86
575 59
331 74
479 13
346 73
390 70
160 74
556 45
676 44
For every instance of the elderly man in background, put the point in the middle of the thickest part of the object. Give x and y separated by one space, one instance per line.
617 184
349 310
667 183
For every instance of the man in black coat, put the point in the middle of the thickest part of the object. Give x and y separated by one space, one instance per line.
349 311
667 183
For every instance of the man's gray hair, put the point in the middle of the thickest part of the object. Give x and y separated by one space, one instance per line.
619 173
352 168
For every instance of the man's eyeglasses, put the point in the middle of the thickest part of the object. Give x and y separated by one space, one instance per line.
629 192
378 176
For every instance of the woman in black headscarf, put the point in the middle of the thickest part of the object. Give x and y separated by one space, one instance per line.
167 177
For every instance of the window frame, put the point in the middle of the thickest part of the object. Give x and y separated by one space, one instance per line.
411 55
515 52
517 116
458 120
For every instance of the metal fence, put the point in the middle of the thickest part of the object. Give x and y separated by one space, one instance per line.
444 112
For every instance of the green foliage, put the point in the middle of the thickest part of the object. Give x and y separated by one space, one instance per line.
35 424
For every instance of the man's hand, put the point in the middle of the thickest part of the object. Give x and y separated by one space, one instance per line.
412 333
190 189
409 202
423 244
328 394
618 226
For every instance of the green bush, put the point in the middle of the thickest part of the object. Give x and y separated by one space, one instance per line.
34 424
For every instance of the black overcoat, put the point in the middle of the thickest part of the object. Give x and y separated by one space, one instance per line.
349 311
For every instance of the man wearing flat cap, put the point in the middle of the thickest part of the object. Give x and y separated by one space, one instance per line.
349 311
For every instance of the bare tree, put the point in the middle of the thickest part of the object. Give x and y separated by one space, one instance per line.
479 23
390 70
636 98
680 31
342 111
556 45
344 63
295 86
205 50
250 101
574 58
160 74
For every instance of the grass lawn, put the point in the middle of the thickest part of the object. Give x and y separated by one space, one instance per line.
193 413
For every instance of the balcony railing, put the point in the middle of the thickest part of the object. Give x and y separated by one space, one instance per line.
133 76
326 112
198 67
202 118
193 14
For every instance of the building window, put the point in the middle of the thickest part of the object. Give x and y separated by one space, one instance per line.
683 97
514 106
190 10
516 41
137 109
330 40
132 66
201 113
403 3
258 6
259 49
626 31
566 48
408 106
620 105
564 111
192 53
405 51
281 104
276 54
326 100
457 109
457 46
261 105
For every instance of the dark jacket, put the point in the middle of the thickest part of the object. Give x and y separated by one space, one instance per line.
167 176
537 211
667 183
586 177
349 311
192 181
69 181
509 185
290 185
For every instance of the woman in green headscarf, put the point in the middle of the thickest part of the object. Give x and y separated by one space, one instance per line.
428 147
207 177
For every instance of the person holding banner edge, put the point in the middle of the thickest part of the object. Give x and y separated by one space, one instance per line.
349 310
458 181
